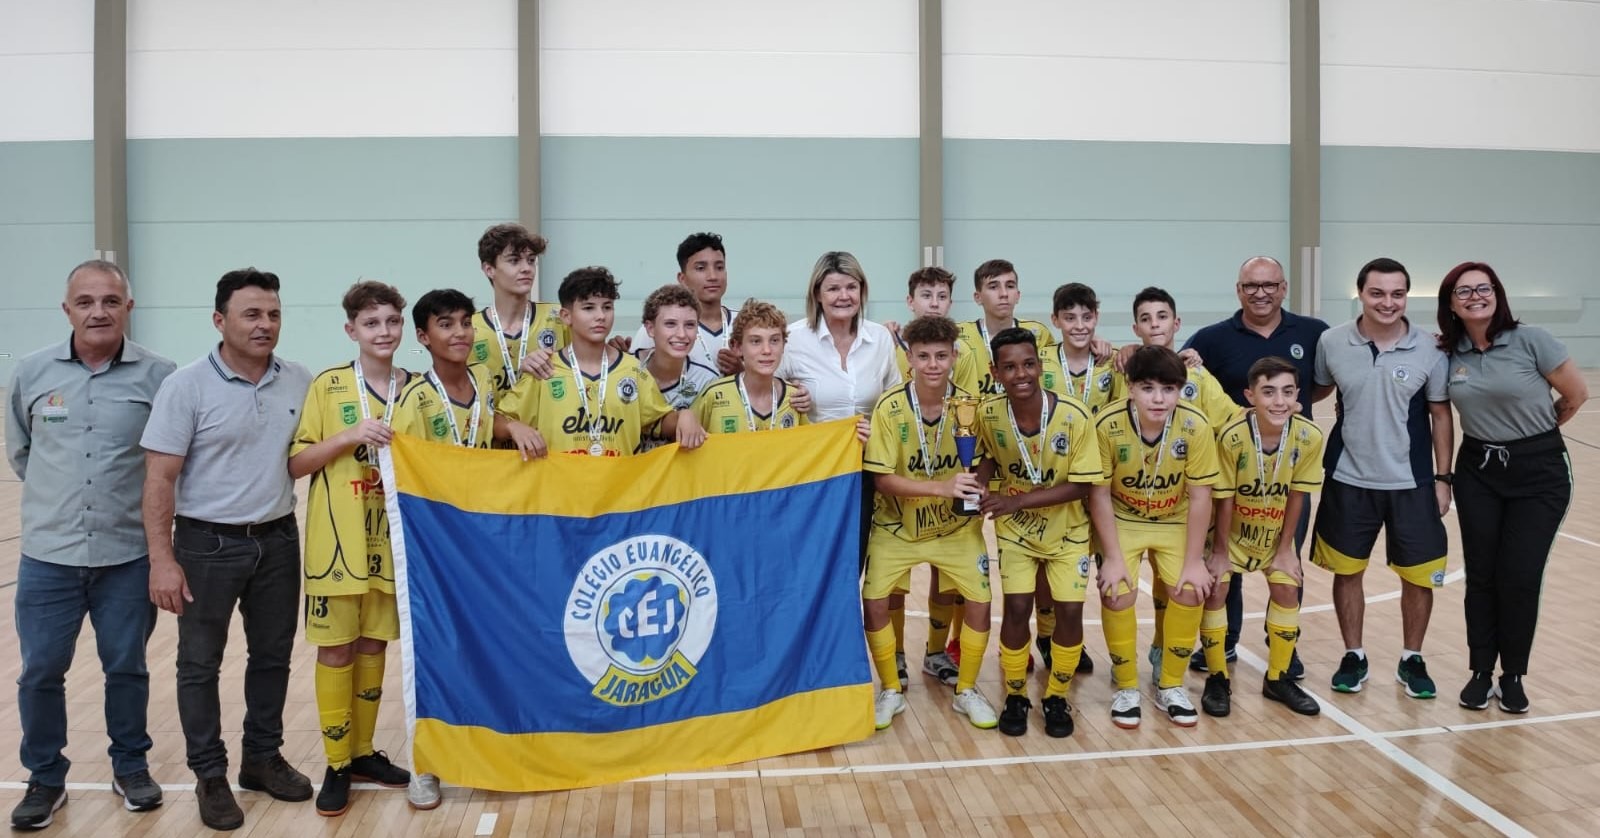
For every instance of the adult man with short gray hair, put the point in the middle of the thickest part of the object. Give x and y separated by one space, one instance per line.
74 416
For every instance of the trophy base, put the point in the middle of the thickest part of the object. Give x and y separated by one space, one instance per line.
964 507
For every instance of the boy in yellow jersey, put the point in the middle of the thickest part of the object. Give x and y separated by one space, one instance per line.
452 402
911 453
1159 462
514 327
670 319
1270 460
1156 323
756 399
1081 367
1043 448
600 401
996 291
349 571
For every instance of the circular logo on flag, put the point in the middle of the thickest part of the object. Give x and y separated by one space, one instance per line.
1296 351
641 614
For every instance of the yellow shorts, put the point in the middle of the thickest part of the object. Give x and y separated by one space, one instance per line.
1164 545
1067 575
903 585
959 557
1245 563
337 620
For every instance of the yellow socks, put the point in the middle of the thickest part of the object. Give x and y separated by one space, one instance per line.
1122 640
1045 623
1063 663
939 615
1013 669
880 644
334 693
957 618
1183 623
368 689
974 644
1283 629
897 619
1213 639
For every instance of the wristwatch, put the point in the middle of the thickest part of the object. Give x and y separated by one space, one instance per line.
1446 479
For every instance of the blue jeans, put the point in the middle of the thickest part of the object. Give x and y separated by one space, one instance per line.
260 575
51 602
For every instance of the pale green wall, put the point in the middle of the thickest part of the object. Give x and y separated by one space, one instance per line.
46 227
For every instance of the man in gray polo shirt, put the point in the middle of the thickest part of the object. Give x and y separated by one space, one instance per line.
217 463
75 413
1388 467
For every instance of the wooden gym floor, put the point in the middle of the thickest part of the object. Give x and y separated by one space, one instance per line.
1375 763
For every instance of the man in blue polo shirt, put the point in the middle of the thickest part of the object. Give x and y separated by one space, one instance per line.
1261 327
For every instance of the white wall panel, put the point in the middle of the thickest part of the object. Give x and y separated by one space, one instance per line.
833 68
300 68
46 70
1157 70
1517 74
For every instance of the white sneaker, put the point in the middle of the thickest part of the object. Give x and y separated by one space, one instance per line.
1175 700
940 666
889 703
976 708
1125 709
423 792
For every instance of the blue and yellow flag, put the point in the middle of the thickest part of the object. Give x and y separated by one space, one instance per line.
573 621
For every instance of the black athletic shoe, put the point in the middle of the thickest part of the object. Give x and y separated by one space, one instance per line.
1476 694
1085 664
376 768
1057 717
1197 661
138 790
1290 695
334 798
218 809
1296 670
1512 697
1014 719
1414 674
1043 645
275 776
1217 700
38 806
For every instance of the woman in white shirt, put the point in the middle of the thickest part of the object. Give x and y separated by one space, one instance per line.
845 360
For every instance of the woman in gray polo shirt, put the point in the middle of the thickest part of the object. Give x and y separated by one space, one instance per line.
1513 480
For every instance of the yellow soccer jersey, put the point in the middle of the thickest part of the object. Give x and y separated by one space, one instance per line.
546 332
1150 480
347 526
555 408
980 380
894 447
1202 392
420 412
962 370
1066 452
721 410
1094 389
1260 485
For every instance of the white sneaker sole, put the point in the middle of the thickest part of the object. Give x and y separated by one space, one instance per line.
48 819
885 726
129 804
1127 722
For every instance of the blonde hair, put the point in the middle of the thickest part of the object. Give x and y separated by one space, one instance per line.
757 314
834 262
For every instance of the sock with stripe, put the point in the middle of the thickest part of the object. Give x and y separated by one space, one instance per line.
1063 663
334 694
1183 625
1283 631
939 615
1013 669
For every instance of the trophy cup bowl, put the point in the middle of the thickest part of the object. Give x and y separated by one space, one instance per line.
964 413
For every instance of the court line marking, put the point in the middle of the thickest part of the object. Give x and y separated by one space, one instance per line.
1579 539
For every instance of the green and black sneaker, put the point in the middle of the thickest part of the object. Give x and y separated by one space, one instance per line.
1351 675
1414 674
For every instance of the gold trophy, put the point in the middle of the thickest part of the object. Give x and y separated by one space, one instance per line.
964 411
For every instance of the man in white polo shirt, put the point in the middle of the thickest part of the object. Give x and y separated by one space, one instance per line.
1388 468
217 463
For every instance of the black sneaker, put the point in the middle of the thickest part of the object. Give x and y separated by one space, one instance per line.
1414 674
1289 694
1296 670
1057 717
1043 645
1475 695
1512 697
376 768
1197 661
276 777
1351 675
1217 700
334 798
138 790
38 806
1014 719
218 809
1085 664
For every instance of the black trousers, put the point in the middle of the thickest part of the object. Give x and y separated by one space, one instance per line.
1510 500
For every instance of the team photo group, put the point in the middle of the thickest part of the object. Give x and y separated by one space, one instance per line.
1067 462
